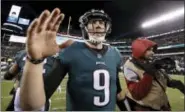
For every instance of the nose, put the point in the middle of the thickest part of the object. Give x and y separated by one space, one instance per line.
152 52
97 22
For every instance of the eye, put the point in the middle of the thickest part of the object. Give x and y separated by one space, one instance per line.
91 22
102 22
94 21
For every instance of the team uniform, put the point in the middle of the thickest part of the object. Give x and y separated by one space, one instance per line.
92 73
20 60
92 83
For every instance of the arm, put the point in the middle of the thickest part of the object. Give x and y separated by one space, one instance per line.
32 94
41 89
172 83
120 96
54 78
177 85
12 72
120 101
139 88
40 43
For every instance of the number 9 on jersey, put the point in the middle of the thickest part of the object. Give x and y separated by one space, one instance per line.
101 87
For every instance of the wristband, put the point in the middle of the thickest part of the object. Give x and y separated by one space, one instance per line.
35 61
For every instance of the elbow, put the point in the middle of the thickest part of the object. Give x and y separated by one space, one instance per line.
136 91
27 103
137 96
139 92
31 106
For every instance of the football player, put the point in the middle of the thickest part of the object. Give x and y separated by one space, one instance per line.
92 66
17 69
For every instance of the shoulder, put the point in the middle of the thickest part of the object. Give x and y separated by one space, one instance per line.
75 45
127 62
19 55
129 72
67 54
130 65
22 52
116 52
130 75
127 65
114 49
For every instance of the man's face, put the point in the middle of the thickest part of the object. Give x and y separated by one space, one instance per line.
96 28
149 53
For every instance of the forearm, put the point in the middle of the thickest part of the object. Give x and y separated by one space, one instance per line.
32 94
177 85
54 78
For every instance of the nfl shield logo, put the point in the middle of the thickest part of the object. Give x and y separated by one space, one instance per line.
99 56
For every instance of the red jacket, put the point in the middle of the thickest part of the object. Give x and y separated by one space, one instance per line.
141 88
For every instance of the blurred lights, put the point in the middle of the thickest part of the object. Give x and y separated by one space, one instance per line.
174 31
163 18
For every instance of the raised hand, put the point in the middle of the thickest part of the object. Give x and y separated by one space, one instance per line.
41 34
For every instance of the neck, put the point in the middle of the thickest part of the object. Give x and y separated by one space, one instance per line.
98 46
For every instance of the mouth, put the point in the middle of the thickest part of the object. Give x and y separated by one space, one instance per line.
98 31
98 34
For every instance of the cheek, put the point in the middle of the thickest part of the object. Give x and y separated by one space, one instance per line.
103 26
147 54
89 27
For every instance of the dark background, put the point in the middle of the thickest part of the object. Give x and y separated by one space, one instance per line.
127 15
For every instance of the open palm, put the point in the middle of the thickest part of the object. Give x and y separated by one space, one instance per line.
41 34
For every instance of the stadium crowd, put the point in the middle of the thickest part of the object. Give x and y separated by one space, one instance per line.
170 39
9 49
144 79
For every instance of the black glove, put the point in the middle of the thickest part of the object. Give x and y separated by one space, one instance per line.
165 63
176 84
123 105
13 91
149 68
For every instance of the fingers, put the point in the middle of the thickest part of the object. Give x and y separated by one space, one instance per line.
42 19
59 20
52 19
32 28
